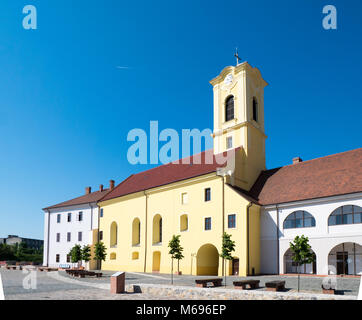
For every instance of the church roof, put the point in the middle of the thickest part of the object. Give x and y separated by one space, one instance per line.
170 173
332 175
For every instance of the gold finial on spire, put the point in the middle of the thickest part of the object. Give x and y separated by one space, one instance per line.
236 55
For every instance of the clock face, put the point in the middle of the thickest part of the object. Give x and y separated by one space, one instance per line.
228 79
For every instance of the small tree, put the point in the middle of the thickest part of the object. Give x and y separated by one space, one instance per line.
76 254
175 252
228 247
100 252
302 253
86 254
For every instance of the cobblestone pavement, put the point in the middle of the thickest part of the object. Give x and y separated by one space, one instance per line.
346 286
60 286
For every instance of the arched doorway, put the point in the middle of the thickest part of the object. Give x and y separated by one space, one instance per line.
207 261
156 261
291 267
345 258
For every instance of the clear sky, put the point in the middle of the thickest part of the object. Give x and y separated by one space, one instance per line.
66 107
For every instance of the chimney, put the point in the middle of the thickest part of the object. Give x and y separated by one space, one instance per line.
297 160
101 188
111 184
88 190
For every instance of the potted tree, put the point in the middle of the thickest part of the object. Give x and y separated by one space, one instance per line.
227 248
76 255
302 253
86 254
99 253
176 253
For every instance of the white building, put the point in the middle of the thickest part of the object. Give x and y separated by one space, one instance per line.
320 199
69 223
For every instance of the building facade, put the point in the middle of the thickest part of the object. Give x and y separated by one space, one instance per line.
69 223
227 189
197 200
332 225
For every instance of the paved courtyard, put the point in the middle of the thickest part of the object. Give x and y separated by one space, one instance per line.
60 286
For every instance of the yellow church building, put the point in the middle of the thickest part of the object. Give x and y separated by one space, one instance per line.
197 200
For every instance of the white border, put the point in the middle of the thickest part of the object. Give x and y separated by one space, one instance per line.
2 295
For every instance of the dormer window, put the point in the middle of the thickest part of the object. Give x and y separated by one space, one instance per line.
229 108
255 109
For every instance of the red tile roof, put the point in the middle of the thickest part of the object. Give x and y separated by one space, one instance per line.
323 177
169 173
87 198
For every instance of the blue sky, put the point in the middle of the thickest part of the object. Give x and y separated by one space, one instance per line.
66 109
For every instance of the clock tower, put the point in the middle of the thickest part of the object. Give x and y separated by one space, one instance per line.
239 120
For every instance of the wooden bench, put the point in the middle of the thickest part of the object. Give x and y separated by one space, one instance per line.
83 273
275 285
252 284
202 283
329 288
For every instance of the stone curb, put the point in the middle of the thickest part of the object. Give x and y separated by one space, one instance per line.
183 292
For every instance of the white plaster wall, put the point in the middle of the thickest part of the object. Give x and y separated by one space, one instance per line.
45 247
322 237
89 223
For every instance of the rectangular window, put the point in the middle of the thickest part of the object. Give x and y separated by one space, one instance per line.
207 223
68 258
101 213
184 198
58 218
100 235
80 236
80 216
207 194
231 221
69 217
57 258
69 237
229 142
58 237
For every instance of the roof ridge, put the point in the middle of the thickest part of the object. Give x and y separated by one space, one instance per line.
310 160
115 188
64 203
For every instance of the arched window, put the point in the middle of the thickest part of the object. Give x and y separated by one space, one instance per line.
348 214
136 232
255 109
114 230
184 223
229 108
299 219
157 229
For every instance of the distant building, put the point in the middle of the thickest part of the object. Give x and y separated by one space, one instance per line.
30 243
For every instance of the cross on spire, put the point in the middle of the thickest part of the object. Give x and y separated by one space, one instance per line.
236 55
